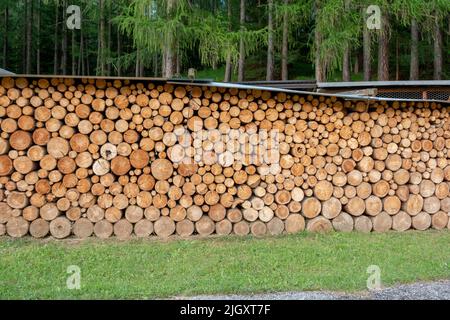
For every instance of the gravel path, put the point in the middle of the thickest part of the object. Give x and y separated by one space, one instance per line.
438 290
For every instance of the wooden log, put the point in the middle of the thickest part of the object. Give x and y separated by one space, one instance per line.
23 165
123 229
445 204
224 227
354 178
266 213
297 194
73 214
101 167
323 190
184 228
401 221
355 206
331 208
282 212
17 200
442 190
439 220
319 224
39 228
413 205
17 227
143 228
49 212
58 147
177 213
103 229
164 226
205 226
234 215
83 228
30 213
427 188
217 212
283 197
139 159
108 151
241 228
95 213
381 188
311 208
382 222
194 213
258 228
6 165
391 204
275 226
393 162
134 213
20 140
79 142
162 169
250 214
113 214
343 222
431 205
294 223
363 224
120 165
60 227
421 221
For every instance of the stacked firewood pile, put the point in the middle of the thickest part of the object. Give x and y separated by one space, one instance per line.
95 157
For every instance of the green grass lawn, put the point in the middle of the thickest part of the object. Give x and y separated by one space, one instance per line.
155 268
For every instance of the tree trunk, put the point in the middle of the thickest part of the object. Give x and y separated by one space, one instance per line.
346 56
64 44
119 53
170 55
437 74
228 69
241 63
137 66
74 62
141 67
108 65
414 64
155 65
284 46
320 74
397 59
346 65
178 64
383 51
5 38
101 40
367 57
163 63
270 49
80 70
228 66
29 30
38 36
356 65
55 40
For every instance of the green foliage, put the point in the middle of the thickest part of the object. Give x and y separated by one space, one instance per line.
203 35
340 25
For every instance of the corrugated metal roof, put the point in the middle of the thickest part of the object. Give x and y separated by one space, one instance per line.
348 95
406 83
4 72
